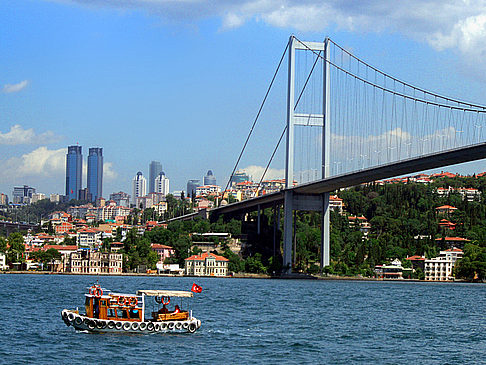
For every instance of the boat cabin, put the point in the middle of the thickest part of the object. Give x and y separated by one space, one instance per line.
103 304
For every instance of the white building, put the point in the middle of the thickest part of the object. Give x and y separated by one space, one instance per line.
206 264
139 184
55 198
111 212
88 237
440 268
3 261
93 262
208 190
336 204
162 184
144 202
37 197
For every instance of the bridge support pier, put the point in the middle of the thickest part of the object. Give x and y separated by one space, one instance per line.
305 202
325 231
288 231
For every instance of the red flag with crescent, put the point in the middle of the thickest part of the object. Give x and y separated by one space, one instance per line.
196 288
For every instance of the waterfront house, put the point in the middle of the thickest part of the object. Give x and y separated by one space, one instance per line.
418 262
206 264
393 271
440 268
3 261
95 262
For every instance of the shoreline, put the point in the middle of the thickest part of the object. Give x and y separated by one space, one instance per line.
245 276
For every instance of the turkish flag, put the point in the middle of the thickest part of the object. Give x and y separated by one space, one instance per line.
196 288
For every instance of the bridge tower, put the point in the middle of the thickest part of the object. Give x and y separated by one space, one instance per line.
308 202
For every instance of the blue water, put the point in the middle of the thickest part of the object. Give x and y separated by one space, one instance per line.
255 321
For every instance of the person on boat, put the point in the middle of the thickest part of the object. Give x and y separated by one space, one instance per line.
163 310
176 309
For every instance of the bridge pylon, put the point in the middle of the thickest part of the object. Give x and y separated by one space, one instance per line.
292 200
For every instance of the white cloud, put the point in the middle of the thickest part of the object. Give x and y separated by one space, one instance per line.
18 135
256 173
40 162
444 24
108 172
45 163
13 88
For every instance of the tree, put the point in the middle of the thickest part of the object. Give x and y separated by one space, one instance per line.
472 266
235 264
254 264
17 247
3 244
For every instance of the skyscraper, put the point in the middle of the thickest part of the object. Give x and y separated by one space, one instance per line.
239 177
95 173
162 184
139 186
209 179
155 168
191 187
22 194
74 168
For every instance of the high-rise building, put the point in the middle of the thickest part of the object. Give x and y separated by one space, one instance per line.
84 194
239 177
209 179
95 173
22 194
3 199
191 187
155 168
121 199
74 168
139 186
162 184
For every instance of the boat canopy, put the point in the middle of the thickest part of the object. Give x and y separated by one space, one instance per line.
166 293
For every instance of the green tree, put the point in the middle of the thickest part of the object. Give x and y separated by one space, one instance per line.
472 266
254 264
17 247
3 244
235 264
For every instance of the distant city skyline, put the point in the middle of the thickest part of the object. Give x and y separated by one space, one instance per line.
136 101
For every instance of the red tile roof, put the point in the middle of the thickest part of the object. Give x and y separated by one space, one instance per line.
157 246
446 207
61 247
204 256
454 250
415 258
457 239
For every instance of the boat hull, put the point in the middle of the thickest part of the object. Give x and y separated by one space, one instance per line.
83 323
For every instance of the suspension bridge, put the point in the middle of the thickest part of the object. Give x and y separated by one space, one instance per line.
348 123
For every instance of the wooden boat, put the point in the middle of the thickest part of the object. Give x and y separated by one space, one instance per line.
106 311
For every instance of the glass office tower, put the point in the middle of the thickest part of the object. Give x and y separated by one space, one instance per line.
95 173
74 168
155 168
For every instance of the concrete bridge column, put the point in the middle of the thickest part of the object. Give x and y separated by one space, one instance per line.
325 231
288 231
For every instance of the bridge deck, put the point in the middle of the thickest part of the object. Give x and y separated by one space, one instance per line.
408 166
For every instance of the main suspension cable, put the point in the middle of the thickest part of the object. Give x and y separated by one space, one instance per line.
283 132
257 116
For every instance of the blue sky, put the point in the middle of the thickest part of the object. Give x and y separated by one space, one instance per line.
180 82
